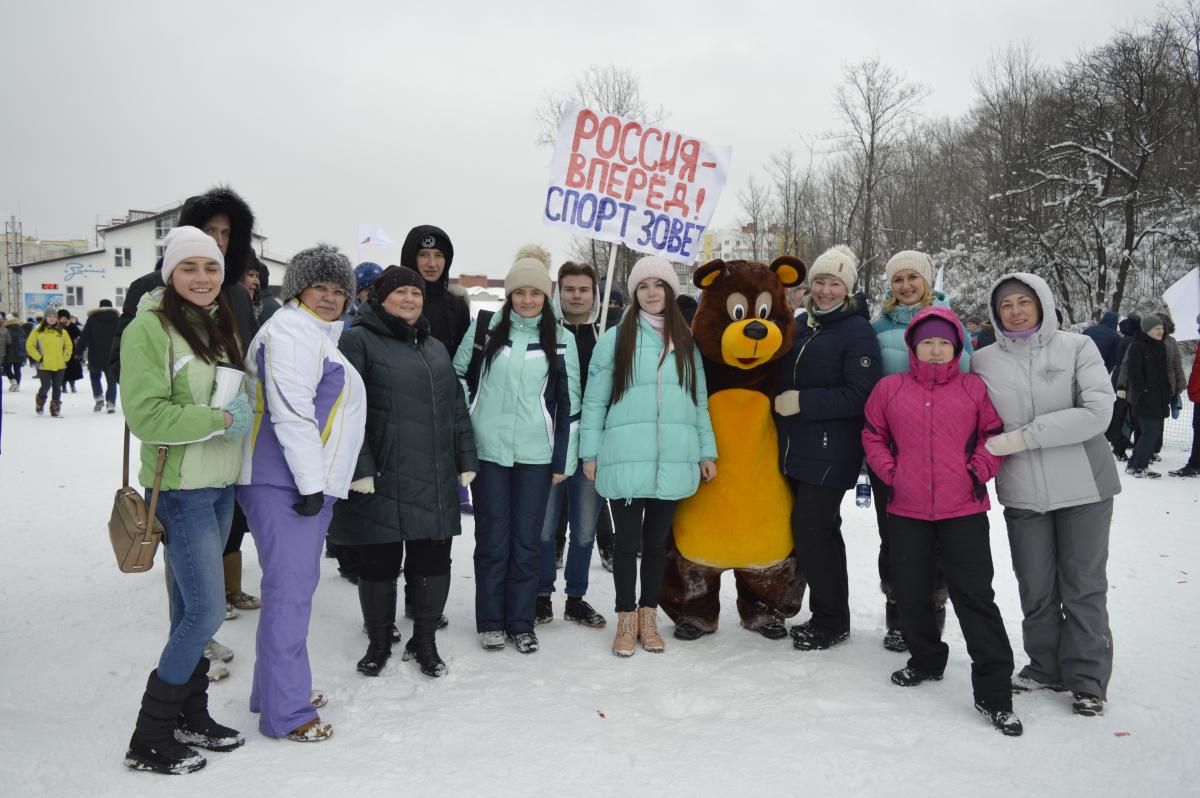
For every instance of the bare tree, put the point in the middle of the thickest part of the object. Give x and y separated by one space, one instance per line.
875 103
755 201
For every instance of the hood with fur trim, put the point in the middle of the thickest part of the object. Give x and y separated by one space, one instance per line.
222 199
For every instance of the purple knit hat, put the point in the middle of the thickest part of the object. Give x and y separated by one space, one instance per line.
935 327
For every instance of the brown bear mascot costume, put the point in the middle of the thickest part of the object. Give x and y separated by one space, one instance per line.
740 520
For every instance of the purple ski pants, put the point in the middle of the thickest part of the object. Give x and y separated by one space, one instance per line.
289 552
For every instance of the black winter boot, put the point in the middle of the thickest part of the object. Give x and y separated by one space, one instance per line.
153 746
429 599
195 726
410 612
894 639
378 601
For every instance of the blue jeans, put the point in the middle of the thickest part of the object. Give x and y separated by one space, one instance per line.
197 525
583 508
1150 430
110 395
510 507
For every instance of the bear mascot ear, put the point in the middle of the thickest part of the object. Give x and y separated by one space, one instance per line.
789 270
709 273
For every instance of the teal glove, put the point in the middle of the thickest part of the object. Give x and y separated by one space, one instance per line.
239 408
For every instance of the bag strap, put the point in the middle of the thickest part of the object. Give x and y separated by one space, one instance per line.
163 448
483 323
151 518
125 460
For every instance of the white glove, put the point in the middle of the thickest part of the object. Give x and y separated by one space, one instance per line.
787 403
364 485
1006 443
466 478
1121 394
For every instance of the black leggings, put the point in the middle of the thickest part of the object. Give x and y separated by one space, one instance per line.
237 530
51 381
643 523
380 562
13 372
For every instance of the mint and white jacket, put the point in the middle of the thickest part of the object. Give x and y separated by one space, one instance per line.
518 414
310 408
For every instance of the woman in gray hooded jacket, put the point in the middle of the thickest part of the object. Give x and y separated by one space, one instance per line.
1057 486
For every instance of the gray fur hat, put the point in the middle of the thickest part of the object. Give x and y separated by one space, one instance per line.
320 264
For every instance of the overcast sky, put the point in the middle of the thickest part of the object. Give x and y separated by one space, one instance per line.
324 115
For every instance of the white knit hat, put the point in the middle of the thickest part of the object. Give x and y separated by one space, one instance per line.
840 262
531 269
652 266
189 242
919 262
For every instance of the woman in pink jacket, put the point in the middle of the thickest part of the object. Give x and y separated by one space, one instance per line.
924 436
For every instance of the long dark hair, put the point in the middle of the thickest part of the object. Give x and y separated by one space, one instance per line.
675 333
210 338
547 335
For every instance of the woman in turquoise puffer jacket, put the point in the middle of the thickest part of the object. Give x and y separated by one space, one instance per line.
910 290
646 439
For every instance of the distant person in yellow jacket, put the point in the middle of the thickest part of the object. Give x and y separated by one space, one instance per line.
49 347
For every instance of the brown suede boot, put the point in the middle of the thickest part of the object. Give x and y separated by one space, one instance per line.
627 634
233 584
56 408
652 641
39 404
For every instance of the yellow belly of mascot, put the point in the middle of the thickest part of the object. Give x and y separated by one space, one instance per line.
742 519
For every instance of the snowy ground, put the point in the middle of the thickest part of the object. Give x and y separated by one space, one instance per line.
732 714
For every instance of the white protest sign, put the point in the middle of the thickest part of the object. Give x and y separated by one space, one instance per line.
1183 298
618 180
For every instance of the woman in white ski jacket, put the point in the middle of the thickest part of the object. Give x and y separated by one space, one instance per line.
309 418
1057 486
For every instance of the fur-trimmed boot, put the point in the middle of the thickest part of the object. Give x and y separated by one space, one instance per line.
195 726
56 408
153 746
429 598
39 404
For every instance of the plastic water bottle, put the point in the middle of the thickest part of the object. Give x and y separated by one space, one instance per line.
862 492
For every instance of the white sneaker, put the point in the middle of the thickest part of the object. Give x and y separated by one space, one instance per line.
492 641
231 611
215 651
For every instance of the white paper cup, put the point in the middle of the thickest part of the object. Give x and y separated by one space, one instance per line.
229 382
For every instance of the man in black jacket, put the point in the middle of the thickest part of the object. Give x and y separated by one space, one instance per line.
579 314
427 250
95 346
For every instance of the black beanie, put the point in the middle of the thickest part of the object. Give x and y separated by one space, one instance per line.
63 313
106 303
394 277
426 236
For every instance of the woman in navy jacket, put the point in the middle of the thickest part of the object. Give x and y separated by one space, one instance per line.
824 384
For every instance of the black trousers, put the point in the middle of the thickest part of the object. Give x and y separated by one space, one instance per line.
13 372
967 560
644 524
821 554
880 494
237 530
52 383
381 562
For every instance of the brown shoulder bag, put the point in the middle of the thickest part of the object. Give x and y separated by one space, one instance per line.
134 529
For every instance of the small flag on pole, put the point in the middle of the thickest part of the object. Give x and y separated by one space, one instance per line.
372 235
937 281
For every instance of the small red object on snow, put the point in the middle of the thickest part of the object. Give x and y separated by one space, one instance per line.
598 712
1120 734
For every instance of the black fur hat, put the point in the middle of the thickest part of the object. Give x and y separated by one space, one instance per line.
320 264
221 199
426 236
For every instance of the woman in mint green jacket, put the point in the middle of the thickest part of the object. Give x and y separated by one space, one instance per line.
646 439
169 354
522 387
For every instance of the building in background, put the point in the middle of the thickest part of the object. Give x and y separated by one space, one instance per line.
17 248
126 248
742 243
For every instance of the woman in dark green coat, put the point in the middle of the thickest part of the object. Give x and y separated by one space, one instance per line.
419 447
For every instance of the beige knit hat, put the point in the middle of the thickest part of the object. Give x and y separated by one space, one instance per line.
530 269
652 266
840 262
919 262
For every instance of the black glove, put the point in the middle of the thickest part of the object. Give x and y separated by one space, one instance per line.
310 504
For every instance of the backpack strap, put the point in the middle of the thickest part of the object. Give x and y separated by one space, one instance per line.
483 323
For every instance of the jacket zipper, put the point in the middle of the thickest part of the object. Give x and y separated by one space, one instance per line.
787 449
437 461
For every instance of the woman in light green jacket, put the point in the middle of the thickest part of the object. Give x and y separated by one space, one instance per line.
522 387
647 439
169 354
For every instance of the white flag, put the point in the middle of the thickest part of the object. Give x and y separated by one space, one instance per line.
372 235
1183 299
937 281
